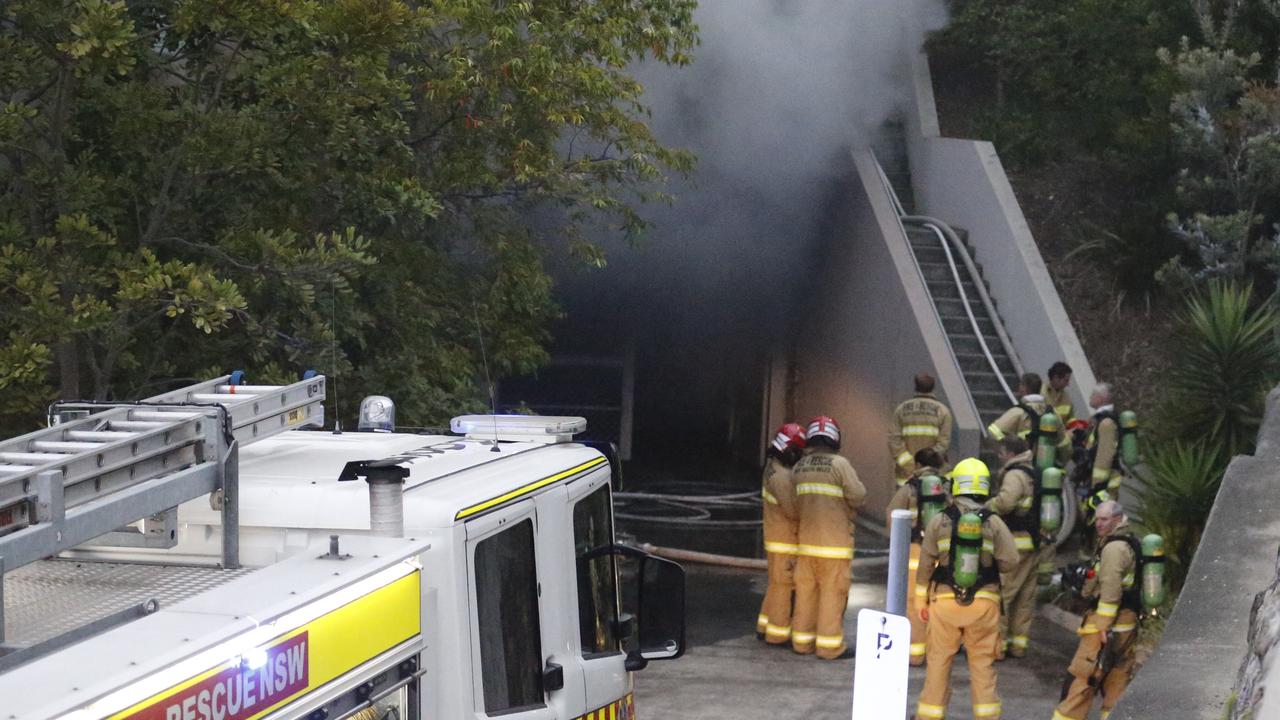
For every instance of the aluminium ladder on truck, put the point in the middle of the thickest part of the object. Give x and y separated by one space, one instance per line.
102 466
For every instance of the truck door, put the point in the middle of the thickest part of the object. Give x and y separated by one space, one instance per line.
595 586
510 673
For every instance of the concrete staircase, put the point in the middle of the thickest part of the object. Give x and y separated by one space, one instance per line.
984 386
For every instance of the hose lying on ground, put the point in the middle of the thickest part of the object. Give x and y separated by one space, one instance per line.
702 506
739 562
689 506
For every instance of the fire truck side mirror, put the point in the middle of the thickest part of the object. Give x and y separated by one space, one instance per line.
661 611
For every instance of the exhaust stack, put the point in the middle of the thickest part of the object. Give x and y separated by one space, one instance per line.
386 493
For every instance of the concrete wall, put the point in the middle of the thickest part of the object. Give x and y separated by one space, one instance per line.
1193 671
963 183
855 361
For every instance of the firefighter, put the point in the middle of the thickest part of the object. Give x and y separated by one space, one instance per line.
962 554
828 495
911 495
1104 658
1016 505
1102 449
919 423
778 493
1023 419
1055 392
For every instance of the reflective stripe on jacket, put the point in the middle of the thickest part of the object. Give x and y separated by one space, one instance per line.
828 495
919 423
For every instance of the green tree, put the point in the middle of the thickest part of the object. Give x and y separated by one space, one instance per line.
1070 75
358 185
1227 131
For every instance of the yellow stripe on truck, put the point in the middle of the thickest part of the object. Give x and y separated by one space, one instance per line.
531 487
296 662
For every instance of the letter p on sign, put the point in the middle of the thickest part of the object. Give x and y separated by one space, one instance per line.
880 671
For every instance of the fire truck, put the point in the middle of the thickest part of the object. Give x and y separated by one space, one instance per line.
214 553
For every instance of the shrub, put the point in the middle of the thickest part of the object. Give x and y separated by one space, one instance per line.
1179 485
1217 388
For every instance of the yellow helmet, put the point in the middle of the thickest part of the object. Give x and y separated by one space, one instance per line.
971 477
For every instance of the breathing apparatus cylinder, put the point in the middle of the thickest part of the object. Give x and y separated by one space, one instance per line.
1129 437
967 554
932 498
1046 444
1050 501
1045 571
1152 571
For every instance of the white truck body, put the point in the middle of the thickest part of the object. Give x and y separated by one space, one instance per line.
511 613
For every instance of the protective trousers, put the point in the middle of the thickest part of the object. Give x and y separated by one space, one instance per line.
1108 667
822 591
775 611
919 627
1018 589
977 627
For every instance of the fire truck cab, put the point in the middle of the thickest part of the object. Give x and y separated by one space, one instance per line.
383 576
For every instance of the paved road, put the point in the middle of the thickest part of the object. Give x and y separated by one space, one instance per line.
727 673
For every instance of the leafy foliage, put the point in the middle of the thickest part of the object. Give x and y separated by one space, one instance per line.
191 186
1227 131
1228 362
1180 484
1067 74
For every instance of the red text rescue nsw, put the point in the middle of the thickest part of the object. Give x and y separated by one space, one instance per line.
239 692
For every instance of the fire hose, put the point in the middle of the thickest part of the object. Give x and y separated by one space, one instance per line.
700 506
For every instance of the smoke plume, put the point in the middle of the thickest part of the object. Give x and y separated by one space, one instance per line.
779 93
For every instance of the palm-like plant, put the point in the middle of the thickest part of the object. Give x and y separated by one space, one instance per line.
1179 484
1229 360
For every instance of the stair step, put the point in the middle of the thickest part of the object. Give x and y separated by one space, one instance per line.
952 307
983 382
921 237
936 272
960 325
941 271
947 290
969 345
977 362
929 253
991 402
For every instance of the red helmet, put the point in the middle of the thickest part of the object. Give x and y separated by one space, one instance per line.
789 436
823 426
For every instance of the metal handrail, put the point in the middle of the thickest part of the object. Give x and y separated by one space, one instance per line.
951 241
947 237
973 321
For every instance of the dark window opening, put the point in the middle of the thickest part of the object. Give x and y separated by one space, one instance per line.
597 574
507 608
